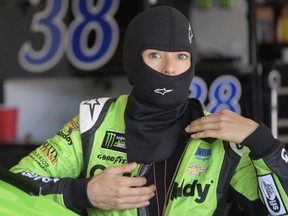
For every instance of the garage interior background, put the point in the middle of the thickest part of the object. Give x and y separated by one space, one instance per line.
228 34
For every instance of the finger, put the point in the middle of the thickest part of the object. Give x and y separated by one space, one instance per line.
202 126
119 201
213 121
119 170
139 191
127 205
136 195
134 181
200 122
130 200
206 133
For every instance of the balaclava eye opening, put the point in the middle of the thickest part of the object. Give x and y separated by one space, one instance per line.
157 101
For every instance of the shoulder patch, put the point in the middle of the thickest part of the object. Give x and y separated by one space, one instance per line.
271 195
89 112
73 125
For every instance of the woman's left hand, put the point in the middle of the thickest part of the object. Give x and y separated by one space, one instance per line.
225 125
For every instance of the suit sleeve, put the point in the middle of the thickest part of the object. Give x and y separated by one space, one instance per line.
270 160
244 189
56 165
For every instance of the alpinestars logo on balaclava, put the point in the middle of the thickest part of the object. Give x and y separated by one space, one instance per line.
152 113
162 91
190 33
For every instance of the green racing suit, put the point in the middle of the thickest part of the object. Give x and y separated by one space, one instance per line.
253 172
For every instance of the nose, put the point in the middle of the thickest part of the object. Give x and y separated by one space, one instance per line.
169 67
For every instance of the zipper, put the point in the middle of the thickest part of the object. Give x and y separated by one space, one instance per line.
174 176
143 170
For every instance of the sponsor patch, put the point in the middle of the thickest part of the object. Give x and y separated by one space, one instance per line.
50 152
39 160
192 189
203 154
113 159
44 179
114 141
66 137
271 195
73 125
284 155
196 170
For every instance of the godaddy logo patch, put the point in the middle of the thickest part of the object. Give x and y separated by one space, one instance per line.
192 189
114 141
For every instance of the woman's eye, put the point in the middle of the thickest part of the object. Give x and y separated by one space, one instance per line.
182 56
154 55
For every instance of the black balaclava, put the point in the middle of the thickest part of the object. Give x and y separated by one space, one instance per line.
157 102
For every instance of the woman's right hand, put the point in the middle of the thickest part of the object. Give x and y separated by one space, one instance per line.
110 190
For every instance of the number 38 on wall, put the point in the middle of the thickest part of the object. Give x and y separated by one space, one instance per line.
224 93
89 17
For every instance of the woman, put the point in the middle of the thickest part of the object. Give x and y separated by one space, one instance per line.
156 152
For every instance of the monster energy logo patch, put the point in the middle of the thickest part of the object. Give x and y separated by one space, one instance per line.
114 141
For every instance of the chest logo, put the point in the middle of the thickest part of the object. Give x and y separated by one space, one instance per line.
203 154
162 91
192 189
284 155
196 170
114 141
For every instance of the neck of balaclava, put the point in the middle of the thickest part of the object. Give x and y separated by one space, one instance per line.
152 132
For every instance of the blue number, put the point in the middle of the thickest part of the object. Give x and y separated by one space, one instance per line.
224 93
198 89
98 18
49 23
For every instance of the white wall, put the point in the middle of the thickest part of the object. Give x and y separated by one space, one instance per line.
45 105
222 30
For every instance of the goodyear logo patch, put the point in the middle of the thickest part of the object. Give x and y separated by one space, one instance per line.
114 141
203 154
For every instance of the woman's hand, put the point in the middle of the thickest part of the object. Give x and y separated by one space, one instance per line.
111 191
225 125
